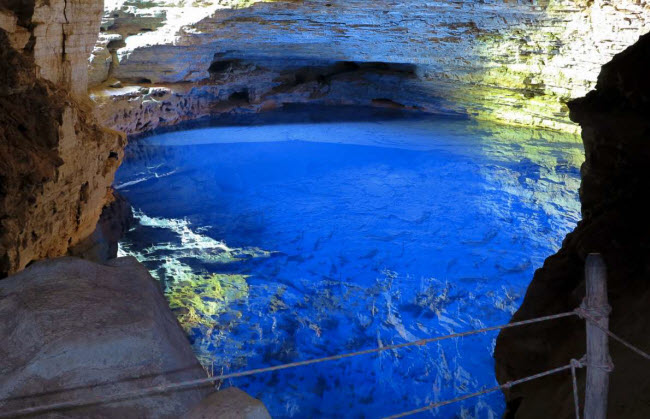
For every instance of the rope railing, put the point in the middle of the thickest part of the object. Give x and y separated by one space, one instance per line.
575 364
482 392
572 366
594 314
580 312
165 388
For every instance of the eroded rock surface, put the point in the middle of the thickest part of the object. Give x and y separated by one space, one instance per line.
58 34
230 403
517 62
615 119
73 329
56 162
246 87
114 222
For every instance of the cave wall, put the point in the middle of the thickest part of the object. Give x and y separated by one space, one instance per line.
57 35
615 121
56 162
512 61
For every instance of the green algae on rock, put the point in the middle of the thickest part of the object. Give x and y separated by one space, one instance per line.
198 300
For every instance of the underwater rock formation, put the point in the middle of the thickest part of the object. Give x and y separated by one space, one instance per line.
615 130
516 62
56 162
73 329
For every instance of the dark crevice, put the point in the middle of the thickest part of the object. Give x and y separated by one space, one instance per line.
23 9
240 97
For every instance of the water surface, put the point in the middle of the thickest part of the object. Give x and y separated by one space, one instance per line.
309 232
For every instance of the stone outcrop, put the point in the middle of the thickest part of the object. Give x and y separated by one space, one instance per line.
73 329
516 62
58 35
56 162
230 403
615 130
114 223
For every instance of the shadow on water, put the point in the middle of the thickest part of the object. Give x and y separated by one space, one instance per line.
322 234
290 113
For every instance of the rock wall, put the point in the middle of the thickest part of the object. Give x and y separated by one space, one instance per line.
512 61
58 35
615 121
242 86
56 162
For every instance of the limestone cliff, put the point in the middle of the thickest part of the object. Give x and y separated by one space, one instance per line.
516 62
56 163
58 35
615 121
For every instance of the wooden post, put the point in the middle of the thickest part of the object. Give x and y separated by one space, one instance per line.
597 341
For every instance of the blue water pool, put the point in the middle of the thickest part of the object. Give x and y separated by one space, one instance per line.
308 232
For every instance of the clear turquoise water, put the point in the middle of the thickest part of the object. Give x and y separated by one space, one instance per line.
332 237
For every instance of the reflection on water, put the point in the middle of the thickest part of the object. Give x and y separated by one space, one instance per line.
289 241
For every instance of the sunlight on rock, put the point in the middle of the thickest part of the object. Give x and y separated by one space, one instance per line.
168 17
549 64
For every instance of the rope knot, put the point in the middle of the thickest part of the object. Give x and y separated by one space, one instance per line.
593 313
608 366
578 363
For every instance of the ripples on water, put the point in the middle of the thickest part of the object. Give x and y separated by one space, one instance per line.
306 238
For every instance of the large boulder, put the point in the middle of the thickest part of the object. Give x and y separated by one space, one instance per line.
73 329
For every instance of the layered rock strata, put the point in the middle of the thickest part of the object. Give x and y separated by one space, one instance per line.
73 329
516 62
615 121
57 35
56 162
242 86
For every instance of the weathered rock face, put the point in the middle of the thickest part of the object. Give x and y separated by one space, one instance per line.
73 329
615 120
517 62
59 36
56 163
246 87
114 222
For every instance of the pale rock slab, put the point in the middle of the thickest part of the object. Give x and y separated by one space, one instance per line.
73 329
